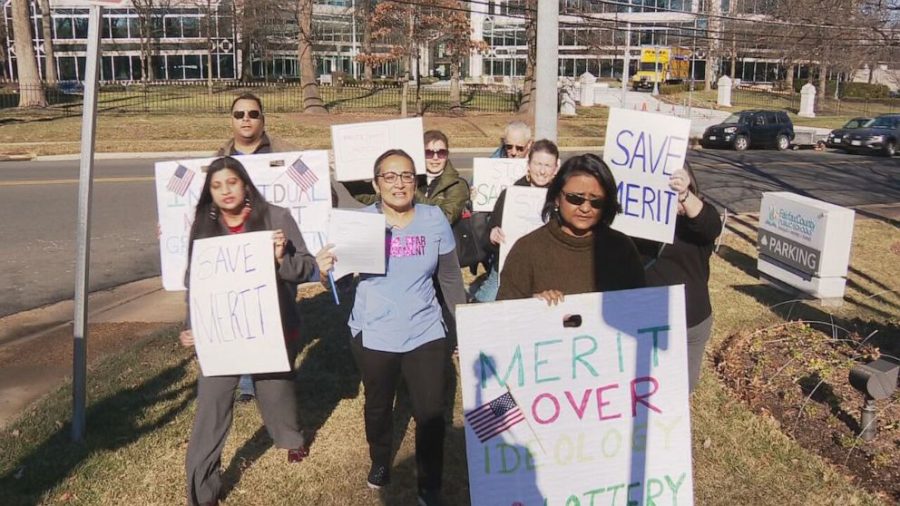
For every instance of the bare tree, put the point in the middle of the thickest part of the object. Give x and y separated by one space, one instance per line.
364 12
4 58
529 89
312 102
147 12
49 55
207 9
31 90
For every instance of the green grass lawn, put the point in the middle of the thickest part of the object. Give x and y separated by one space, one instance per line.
141 407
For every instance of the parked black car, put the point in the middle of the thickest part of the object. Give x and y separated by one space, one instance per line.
751 128
836 136
881 136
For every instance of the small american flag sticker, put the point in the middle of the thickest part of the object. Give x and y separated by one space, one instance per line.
495 417
301 174
180 180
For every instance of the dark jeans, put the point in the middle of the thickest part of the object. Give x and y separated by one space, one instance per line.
423 369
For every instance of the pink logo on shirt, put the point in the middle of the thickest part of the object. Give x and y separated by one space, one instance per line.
407 246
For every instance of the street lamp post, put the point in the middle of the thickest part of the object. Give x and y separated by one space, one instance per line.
656 72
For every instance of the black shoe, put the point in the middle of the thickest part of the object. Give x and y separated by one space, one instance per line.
379 476
431 497
245 398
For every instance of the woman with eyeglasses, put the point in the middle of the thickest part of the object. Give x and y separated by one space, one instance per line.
442 185
230 204
543 164
396 323
686 261
576 251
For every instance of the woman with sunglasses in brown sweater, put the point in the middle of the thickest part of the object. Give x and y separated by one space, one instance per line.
576 251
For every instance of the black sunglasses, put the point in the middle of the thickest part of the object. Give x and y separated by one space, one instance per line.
441 153
577 200
510 147
254 114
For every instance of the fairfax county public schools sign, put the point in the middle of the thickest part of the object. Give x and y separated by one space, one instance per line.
804 243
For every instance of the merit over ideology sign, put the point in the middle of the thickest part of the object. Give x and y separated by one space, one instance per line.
643 150
298 181
583 403
235 315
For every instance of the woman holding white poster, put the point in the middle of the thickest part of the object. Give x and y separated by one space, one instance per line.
543 164
397 327
686 261
576 251
230 204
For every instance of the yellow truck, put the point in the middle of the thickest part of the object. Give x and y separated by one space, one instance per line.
663 65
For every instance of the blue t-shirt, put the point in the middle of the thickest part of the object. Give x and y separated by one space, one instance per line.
398 311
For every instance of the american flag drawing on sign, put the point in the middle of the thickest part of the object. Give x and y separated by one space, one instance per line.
495 417
301 174
180 180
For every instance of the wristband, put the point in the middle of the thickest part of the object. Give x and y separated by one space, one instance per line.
686 195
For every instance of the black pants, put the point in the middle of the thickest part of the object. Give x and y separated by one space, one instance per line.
423 369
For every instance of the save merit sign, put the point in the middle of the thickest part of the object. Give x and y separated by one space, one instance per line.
804 243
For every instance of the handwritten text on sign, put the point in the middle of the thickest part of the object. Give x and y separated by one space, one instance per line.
235 315
643 149
521 215
358 145
303 188
490 176
591 413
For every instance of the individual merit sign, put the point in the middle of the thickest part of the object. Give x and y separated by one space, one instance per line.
643 150
235 316
583 403
298 181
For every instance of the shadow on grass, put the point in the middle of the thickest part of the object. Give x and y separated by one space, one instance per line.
112 423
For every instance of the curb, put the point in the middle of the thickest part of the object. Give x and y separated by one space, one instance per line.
17 157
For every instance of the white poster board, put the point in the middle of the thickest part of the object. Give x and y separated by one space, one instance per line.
358 145
521 214
490 176
235 315
593 414
358 239
298 181
643 149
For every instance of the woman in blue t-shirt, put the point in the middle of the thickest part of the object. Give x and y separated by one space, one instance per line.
396 323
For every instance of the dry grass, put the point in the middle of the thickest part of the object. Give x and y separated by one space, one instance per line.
141 407
50 135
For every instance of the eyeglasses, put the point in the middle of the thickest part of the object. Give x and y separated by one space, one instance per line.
440 153
577 200
254 114
516 147
391 177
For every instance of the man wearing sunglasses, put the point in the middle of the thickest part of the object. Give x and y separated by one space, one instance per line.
516 141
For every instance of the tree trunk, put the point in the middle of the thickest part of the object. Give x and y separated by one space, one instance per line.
455 102
312 103
789 78
823 80
526 106
31 90
209 45
366 14
715 44
47 30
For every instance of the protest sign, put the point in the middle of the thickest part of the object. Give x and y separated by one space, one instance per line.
643 149
298 181
585 402
235 316
357 146
358 239
490 176
521 215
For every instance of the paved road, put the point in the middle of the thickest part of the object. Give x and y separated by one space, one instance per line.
38 202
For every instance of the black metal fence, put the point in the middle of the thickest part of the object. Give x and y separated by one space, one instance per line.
828 106
199 98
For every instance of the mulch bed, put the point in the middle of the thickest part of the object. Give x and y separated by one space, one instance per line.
798 375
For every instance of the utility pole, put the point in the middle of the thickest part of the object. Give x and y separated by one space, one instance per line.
625 63
547 70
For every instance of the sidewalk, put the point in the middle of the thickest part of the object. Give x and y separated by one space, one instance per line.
36 345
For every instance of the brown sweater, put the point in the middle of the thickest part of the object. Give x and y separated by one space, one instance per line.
550 259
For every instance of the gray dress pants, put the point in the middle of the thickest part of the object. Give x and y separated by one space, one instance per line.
277 402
